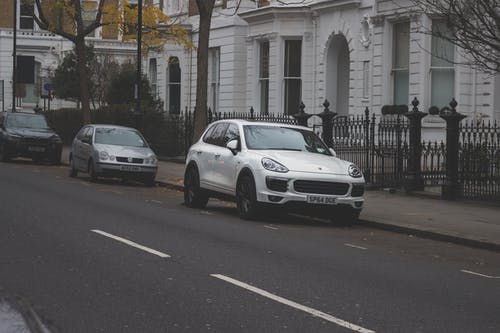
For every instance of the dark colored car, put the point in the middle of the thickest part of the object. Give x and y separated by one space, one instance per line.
28 135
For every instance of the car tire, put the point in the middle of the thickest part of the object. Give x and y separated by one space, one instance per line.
92 172
194 196
73 172
246 198
4 157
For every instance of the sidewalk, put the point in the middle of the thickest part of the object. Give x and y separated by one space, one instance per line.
461 222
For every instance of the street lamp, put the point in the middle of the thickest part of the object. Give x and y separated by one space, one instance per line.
138 112
14 58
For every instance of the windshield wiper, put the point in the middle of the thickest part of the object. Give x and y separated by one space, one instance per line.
291 149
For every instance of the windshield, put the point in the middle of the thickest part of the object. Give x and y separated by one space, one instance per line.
26 121
119 137
261 137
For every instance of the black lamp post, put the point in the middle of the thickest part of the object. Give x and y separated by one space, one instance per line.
14 58
138 113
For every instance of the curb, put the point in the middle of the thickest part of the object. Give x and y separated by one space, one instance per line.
427 234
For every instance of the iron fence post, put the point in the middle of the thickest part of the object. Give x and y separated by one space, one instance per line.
414 180
327 117
367 145
453 119
302 116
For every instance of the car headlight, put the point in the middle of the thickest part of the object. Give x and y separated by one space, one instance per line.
272 165
55 138
12 137
354 171
151 159
103 155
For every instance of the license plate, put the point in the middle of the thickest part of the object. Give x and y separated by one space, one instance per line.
130 168
36 149
323 200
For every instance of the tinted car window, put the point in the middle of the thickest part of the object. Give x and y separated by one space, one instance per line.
261 137
119 136
81 133
26 121
217 136
232 133
206 137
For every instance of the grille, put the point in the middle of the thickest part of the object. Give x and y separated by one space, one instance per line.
39 141
319 187
358 190
134 160
275 184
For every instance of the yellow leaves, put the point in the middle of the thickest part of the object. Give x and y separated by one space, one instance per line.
121 16
157 29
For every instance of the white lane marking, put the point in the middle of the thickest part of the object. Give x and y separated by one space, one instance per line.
479 274
292 304
155 201
356 246
270 227
130 243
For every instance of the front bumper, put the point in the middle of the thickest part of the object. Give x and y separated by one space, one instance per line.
125 170
350 195
33 149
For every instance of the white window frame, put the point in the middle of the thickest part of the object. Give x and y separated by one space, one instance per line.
433 69
171 84
26 16
399 70
287 79
153 76
264 77
213 78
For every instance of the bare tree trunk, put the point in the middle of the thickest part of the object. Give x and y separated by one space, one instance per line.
205 8
83 79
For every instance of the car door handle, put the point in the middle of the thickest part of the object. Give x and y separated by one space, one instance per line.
217 155
198 152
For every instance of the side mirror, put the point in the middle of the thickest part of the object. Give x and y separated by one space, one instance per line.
333 152
233 146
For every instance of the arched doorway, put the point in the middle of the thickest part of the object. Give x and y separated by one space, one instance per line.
337 74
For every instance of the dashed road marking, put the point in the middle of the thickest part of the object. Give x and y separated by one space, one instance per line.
130 243
270 227
356 246
155 201
479 274
314 312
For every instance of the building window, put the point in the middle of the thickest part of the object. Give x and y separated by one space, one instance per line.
89 12
174 86
33 90
400 63
130 16
292 78
366 79
264 77
213 78
26 20
442 68
153 77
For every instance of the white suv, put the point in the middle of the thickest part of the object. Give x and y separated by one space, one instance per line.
271 165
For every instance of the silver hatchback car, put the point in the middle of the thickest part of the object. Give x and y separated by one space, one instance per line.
113 151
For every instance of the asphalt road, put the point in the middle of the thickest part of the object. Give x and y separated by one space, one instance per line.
113 257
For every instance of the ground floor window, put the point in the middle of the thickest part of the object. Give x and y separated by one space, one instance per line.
174 86
292 76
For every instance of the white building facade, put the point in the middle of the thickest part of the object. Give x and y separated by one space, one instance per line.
271 55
